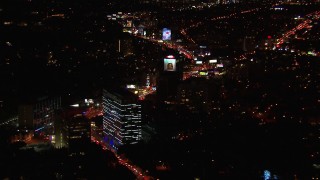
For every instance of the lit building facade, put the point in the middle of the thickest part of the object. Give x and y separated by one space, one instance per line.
77 132
72 129
121 118
44 111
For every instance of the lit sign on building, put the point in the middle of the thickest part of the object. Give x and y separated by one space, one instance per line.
220 65
212 61
203 73
170 63
129 23
166 34
131 86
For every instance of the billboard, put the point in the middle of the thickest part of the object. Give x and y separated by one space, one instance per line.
131 86
213 61
198 62
220 65
170 64
203 73
140 30
127 23
166 34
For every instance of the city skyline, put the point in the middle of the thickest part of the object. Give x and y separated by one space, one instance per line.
148 89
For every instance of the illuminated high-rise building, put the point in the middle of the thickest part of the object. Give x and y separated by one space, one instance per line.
121 118
77 131
25 117
44 111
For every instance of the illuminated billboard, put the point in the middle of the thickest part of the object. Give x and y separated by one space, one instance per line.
131 86
129 23
170 64
220 65
166 34
203 73
213 61
140 30
198 62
